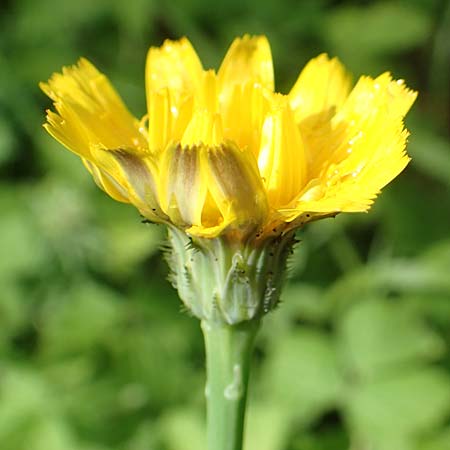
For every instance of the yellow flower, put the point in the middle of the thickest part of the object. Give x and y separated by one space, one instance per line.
222 153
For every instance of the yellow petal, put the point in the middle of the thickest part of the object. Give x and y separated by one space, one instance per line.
173 75
207 189
366 148
182 186
90 112
160 122
282 159
67 129
207 94
370 95
244 114
205 128
132 173
175 65
322 86
248 59
167 121
235 189
105 182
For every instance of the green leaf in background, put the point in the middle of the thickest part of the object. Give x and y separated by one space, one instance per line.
437 442
22 253
394 411
303 374
183 430
430 153
128 244
380 29
268 425
8 140
376 336
66 328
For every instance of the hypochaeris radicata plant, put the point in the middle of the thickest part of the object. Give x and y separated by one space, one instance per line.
233 168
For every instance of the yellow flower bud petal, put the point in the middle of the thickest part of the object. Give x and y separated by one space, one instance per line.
322 86
282 158
105 182
244 114
131 172
235 186
175 65
205 128
182 186
248 59
366 148
90 111
160 120
208 188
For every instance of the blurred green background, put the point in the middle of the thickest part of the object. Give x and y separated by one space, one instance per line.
95 352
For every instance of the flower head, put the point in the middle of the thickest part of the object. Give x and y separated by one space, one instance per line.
223 153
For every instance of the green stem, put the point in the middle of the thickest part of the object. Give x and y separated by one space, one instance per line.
228 355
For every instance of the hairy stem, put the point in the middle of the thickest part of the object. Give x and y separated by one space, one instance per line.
228 355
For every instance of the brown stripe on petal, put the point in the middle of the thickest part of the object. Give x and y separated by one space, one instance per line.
136 171
138 177
185 184
189 167
231 175
236 185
